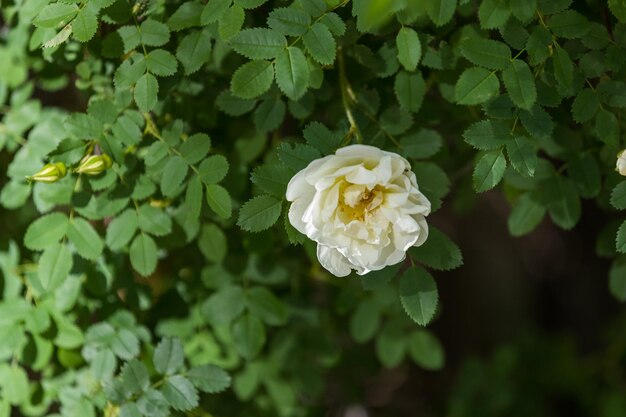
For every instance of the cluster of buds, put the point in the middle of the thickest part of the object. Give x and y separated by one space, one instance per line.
89 165
49 173
94 164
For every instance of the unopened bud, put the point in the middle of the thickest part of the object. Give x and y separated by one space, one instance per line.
94 164
49 173
620 166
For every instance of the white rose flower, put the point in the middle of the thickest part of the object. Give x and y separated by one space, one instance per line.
620 166
362 206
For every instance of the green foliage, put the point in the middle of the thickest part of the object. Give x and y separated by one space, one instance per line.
140 290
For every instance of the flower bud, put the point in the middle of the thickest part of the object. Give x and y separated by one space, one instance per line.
620 166
94 164
49 173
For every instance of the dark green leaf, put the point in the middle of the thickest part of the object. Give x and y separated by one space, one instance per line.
320 44
418 294
259 213
252 79
489 170
486 53
249 336
520 84
475 86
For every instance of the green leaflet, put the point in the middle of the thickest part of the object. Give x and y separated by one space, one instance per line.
259 213
522 155
55 15
55 265
84 26
489 170
418 294
486 53
289 21
146 92
320 44
426 350
252 79
86 240
526 214
219 200
409 48
194 51
410 89
258 43
520 84
440 11
143 254
292 72
45 231
475 86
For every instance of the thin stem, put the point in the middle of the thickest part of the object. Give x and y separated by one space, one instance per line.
346 96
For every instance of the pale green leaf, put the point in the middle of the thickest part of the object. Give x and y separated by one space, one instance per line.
180 393
85 24
55 265
154 220
143 254
209 378
146 92
86 240
46 230
168 357
121 229
55 15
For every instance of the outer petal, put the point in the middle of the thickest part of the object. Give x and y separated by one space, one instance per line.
333 261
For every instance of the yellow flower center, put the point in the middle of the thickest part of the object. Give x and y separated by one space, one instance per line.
356 201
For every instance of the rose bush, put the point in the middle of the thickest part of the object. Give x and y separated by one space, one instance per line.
173 174
362 206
